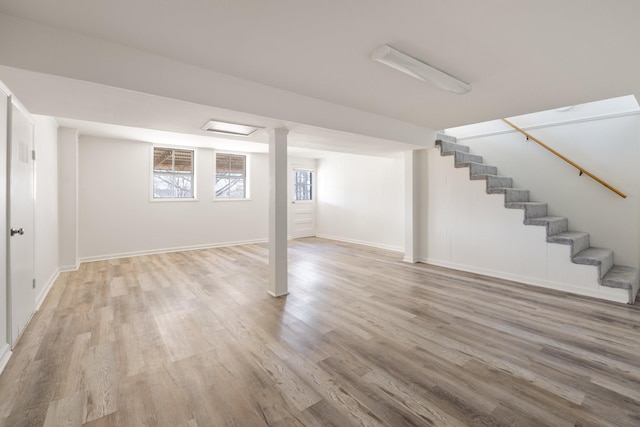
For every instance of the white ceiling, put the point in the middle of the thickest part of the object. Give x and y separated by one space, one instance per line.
519 56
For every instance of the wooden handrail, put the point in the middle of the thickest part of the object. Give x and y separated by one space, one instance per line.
575 165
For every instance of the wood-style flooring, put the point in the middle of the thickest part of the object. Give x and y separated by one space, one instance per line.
363 339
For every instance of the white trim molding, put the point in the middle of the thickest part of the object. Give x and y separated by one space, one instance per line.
548 125
5 355
169 250
609 294
47 287
361 242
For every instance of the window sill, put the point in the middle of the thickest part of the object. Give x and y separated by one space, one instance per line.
161 200
221 199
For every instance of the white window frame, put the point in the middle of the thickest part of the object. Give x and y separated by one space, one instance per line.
247 177
152 175
312 188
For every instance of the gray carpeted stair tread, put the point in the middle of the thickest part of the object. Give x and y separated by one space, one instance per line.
481 171
554 224
446 138
601 257
596 254
498 190
621 276
579 240
449 148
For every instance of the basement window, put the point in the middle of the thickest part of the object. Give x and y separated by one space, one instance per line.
231 177
302 185
173 173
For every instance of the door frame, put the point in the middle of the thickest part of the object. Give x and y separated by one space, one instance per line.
14 103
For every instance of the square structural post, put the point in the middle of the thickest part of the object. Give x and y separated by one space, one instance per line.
411 191
278 280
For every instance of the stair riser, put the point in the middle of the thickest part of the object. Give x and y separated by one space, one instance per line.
446 138
535 211
557 227
516 195
606 266
499 182
463 159
553 227
477 171
448 148
578 244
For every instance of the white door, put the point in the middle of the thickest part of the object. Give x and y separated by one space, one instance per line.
21 222
303 212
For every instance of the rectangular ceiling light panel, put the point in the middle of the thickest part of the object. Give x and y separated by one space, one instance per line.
418 69
229 128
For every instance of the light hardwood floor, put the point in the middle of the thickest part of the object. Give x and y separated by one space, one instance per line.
193 339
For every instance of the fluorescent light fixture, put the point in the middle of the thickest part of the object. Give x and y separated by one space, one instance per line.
229 128
418 69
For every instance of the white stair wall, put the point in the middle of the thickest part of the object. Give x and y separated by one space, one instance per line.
470 230
607 147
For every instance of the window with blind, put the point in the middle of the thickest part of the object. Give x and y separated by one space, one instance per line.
173 173
231 176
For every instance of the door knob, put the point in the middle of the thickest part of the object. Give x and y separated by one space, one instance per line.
19 231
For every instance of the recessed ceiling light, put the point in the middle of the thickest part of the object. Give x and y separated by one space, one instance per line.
229 128
418 69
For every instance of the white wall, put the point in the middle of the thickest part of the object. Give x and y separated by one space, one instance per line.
68 198
470 230
46 206
361 199
608 148
118 218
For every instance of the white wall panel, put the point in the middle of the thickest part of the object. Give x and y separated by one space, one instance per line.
117 216
361 199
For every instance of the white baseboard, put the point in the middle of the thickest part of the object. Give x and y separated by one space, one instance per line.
169 250
5 354
45 290
609 294
66 268
360 242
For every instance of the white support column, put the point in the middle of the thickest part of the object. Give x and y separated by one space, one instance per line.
278 285
410 207
68 198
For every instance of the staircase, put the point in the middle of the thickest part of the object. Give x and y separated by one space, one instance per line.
535 214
